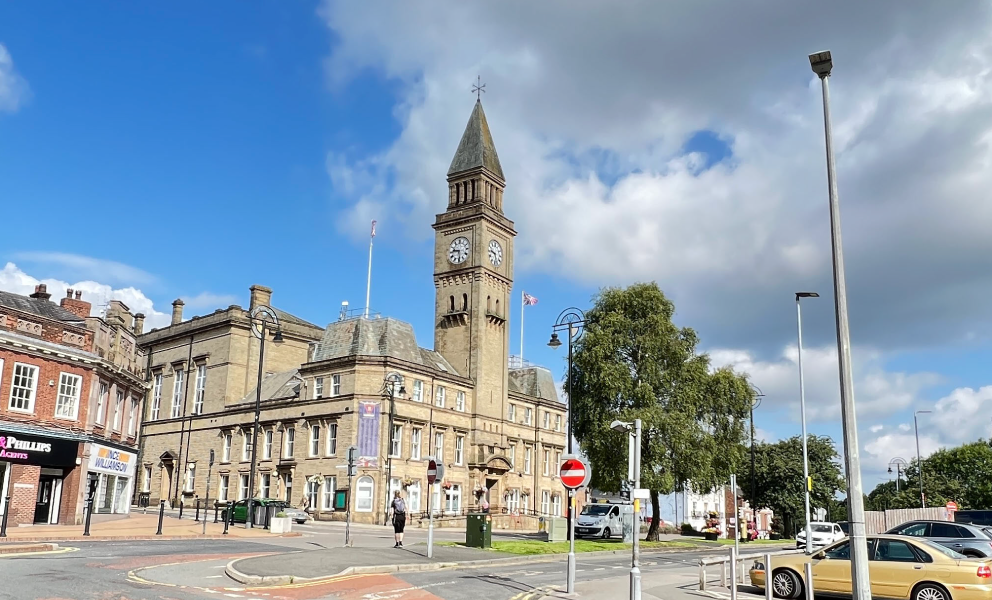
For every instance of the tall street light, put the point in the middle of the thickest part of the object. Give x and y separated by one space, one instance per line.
822 64
390 386
571 320
754 404
634 430
900 464
919 459
807 484
262 319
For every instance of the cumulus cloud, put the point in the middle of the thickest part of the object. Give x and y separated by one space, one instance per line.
878 391
591 105
14 89
87 266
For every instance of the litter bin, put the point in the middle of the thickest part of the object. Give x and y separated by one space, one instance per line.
478 530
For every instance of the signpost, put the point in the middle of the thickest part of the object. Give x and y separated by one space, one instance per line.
951 506
574 474
206 500
435 471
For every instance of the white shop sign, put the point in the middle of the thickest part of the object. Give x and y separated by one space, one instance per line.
112 461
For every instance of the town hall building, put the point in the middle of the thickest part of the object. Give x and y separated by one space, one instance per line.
365 382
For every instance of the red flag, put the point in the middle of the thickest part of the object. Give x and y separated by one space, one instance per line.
373 227
529 300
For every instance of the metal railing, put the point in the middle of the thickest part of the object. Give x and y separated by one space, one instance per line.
736 564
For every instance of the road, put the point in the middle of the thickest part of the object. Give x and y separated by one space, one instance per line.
193 570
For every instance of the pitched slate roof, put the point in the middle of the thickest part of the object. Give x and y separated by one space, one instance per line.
284 384
377 337
40 307
533 381
476 148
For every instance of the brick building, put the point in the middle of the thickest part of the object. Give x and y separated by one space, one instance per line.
500 431
70 393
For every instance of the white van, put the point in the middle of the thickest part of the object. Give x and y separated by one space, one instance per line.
599 520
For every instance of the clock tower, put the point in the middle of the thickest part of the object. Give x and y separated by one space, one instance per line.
473 269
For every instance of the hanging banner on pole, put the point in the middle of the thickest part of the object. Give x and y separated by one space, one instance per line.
368 435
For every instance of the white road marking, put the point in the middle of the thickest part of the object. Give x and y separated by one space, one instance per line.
218 566
213 576
234 595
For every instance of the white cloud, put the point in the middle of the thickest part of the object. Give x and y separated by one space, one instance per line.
87 266
876 428
877 390
590 106
14 89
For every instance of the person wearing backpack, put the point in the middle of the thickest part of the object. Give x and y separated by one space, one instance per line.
399 519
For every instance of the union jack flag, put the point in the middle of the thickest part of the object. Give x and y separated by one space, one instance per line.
529 300
373 228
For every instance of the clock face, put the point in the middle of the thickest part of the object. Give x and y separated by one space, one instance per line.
458 251
495 253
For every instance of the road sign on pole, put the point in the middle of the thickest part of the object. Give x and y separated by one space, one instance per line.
431 472
435 471
574 472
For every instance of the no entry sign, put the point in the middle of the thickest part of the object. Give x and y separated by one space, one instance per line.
431 471
574 472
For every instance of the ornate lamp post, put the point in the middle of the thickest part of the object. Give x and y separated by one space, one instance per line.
389 386
900 464
571 320
263 319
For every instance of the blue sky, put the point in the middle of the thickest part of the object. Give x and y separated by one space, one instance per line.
192 150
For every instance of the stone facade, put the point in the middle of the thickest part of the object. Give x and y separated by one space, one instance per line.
500 432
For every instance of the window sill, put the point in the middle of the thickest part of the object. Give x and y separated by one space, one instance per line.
21 410
70 419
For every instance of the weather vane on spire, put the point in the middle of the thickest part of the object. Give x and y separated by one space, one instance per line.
478 88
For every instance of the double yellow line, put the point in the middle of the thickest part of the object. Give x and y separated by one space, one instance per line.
535 594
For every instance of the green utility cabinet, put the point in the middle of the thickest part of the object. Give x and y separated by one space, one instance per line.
479 530
556 528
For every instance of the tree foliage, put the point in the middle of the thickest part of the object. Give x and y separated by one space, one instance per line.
633 362
779 481
962 474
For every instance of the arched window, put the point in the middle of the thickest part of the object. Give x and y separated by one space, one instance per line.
465 302
451 304
365 491
497 306
489 304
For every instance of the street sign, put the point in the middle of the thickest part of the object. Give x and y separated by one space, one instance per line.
431 472
642 494
574 472
820 514
952 505
625 490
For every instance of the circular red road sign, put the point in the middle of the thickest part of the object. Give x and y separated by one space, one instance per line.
573 473
952 505
431 472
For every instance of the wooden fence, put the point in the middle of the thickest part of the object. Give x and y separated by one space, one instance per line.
880 522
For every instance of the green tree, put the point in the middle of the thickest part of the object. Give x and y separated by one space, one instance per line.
962 474
633 362
779 481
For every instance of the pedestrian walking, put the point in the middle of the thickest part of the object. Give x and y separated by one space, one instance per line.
399 519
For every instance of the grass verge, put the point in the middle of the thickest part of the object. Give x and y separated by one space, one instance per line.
531 547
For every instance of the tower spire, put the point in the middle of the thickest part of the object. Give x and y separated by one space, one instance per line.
476 149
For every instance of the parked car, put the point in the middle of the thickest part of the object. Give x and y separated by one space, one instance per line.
969 540
240 510
599 520
824 534
845 526
899 567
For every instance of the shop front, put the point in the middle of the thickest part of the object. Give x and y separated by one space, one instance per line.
36 472
111 473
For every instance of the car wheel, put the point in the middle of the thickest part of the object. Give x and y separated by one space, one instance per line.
930 591
607 533
786 584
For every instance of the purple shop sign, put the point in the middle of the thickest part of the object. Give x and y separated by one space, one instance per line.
368 434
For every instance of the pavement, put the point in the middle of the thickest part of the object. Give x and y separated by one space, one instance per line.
133 527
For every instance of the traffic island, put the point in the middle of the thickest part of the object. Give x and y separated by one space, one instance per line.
6 549
538 547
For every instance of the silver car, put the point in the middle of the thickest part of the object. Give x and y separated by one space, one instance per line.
970 540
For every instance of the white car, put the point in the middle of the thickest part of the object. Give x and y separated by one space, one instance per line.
599 520
824 534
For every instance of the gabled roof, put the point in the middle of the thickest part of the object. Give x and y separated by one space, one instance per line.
40 307
284 384
476 148
533 381
387 337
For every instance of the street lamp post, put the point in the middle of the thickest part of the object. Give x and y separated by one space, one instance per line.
754 404
390 386
900 464
822 65
919 458
571 320
261 318
634 430
802 412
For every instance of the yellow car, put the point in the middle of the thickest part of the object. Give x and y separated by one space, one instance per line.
899 566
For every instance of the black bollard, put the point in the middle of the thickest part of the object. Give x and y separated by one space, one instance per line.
6 511
161 516
216 511
89 513
228 515
180 509
197 501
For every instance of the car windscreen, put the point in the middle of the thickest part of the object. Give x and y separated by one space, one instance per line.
597 510
821 527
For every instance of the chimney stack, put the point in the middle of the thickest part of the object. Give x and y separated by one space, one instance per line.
75 305
41 292
260 295
177 311
139 323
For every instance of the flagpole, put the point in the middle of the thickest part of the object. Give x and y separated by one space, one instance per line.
368 283
522 328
